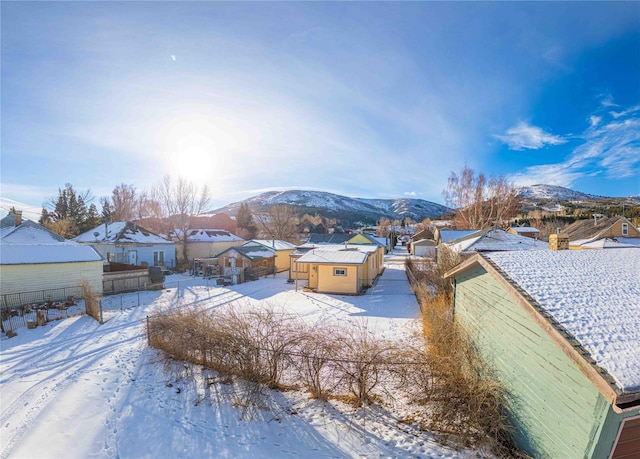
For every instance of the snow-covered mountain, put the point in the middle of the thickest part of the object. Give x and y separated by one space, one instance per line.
558 193
348 210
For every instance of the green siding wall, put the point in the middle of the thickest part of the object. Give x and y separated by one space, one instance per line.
555 409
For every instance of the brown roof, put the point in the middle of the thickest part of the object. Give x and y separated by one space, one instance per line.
424 234
588 229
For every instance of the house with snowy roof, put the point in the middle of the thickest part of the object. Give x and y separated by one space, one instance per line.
317 271
34 259
128 243
587 234
242 263
336 271
560 331
205 243
282 250
494 240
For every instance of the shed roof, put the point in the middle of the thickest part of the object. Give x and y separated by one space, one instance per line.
273 244
495 239
62 252
340 238
250 252
524 229
448 235
32 243
425 242
592 297
592 228
344 256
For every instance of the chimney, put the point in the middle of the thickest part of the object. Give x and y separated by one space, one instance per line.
18 217
558 241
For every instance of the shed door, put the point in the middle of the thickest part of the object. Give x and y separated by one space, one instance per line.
627 445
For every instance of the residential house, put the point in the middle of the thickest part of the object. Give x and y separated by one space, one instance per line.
363 242
128 243
282 250
583 233
341 271
526 231
241 263
204 243
32 259
560 332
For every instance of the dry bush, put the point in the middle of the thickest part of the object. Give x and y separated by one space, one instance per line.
465 403
268 340
427 274
91 300
314 365
362 363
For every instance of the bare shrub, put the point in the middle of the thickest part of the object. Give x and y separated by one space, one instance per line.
465 403
316 354
429 276
362 363
91 300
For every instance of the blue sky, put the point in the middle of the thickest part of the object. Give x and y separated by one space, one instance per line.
376 100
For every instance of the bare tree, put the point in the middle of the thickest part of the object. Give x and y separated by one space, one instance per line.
280 222
383 227
478 202
179 200
123 202
147 206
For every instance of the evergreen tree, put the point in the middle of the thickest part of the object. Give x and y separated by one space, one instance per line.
71 208
244 219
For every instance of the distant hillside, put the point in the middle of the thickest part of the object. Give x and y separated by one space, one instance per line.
546 192
350 211
557 199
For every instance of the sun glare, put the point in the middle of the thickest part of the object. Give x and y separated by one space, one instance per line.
194 163
191 151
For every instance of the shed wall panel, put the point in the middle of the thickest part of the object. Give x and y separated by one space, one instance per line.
555 408
36 277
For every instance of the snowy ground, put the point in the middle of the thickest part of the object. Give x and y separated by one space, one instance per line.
78 389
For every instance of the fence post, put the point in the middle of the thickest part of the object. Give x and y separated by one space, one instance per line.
148 333
100 306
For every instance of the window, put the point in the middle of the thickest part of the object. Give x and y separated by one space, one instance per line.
625 229
158 258
339 272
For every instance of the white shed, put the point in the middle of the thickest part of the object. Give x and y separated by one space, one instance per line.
32 259
424 248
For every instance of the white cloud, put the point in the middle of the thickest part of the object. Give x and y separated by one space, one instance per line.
410 193
526 137
629 111
611 149
595 120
